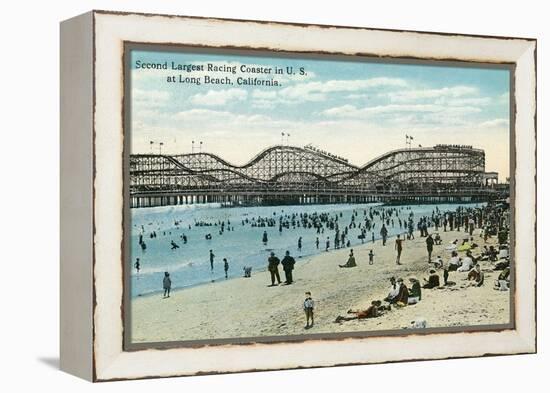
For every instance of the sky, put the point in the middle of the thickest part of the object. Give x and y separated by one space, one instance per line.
355 109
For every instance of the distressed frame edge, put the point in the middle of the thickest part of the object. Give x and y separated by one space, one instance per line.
529 340
76 207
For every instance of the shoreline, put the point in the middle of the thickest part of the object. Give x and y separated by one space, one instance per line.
187 265
220 280
247 307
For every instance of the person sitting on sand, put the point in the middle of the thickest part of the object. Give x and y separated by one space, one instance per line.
505 274
375 310
432 281
502 264
467 263
502 283
351 260
437 239
492 253
438 262
402 298
394 291
454 262
415 293
476 275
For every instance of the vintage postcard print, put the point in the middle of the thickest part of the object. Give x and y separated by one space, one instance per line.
282 196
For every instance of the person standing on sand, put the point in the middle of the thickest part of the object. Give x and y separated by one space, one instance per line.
384 234
137 265
212 260
398 248
166 284
429 246
471 224
317 243
309 305
288 265
300 244
445 266
273 267
225 266
371 257
327 244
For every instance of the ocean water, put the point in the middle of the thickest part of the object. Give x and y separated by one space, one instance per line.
189 265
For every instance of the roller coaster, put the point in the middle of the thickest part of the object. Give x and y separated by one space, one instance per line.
301 175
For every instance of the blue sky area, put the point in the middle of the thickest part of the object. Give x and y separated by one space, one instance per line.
355 109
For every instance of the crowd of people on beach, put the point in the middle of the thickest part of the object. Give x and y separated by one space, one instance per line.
327 225
466 256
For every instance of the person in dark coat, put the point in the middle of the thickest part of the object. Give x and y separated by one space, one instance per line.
288 265
415 293
402 298
429 246
273 267
351 260
432 281
384 234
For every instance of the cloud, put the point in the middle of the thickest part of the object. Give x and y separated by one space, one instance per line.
219 97
205 118
423 94
405 115
481 101
317 91
353 111
495 123
144 99
264 94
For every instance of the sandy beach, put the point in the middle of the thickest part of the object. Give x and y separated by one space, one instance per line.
247 307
